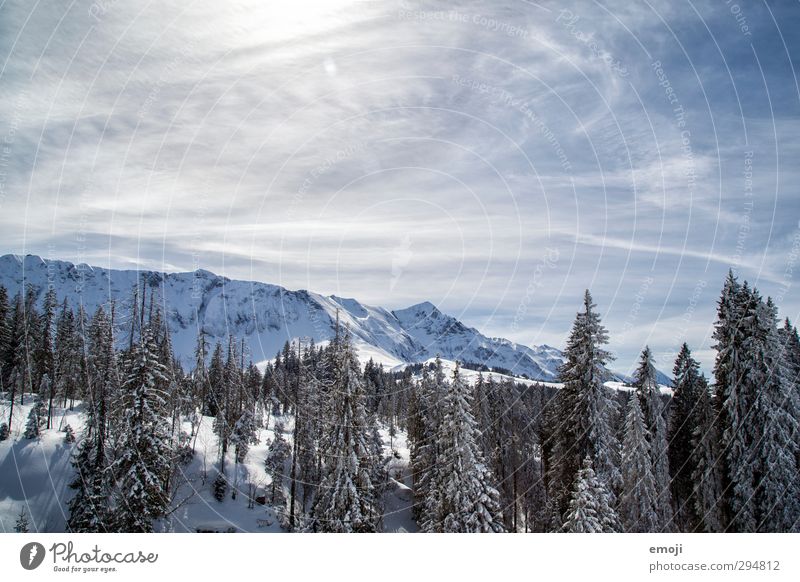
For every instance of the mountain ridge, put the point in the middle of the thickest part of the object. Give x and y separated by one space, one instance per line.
266 315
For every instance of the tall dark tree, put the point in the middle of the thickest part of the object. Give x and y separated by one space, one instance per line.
732 403
346 501
685 413
581 418
649 395
462 495
144 463
638 504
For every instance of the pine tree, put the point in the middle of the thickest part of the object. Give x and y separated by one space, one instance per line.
684 409
346 501
69 435
462 497
424 427
590 509
649 395
34 421
16 369
244 434
90 509
66 359
5 334
733 404
776 412
581 418
275 464
705 460
143 465
21 525
43 346
639 500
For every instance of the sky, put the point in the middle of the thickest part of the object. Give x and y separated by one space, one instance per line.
494 158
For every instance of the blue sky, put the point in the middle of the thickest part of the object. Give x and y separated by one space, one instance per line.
495 158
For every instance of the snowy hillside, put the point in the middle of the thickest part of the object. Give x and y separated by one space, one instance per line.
35 475
266 316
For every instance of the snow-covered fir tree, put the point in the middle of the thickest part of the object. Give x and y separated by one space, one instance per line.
144 463
275 463
733 402
22 524
776 503
638 504
461 496
89 507
581 417
590 509
37 417
346 499
649 395
705 460
424 424
684 408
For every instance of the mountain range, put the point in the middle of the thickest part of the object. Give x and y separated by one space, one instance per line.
266 316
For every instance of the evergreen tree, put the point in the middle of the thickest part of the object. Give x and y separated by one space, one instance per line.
776 503
69 435
66 359
649 395
43 343
275 464
684 411
581 418
144 461
706 477
5 330
36 418
590 509
17 369
346 501
732 405
21 525
462 497
424 426
639 500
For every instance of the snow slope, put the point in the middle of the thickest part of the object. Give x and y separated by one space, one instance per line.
35 476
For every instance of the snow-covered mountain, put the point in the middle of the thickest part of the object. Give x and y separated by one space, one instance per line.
266 316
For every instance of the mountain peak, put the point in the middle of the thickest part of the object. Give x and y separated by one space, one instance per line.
424 308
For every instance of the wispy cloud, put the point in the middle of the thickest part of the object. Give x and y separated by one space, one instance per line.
304 143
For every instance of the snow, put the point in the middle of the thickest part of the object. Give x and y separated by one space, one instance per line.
35 475
399 496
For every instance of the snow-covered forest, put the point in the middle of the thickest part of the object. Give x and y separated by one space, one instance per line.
103 429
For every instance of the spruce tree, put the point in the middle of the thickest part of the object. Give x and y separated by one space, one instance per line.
732 404
22 524
424 427
275 464
705 460
649 395
144 463
346 501
639 500
776 503
590 509
462 497
684 412
580 422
